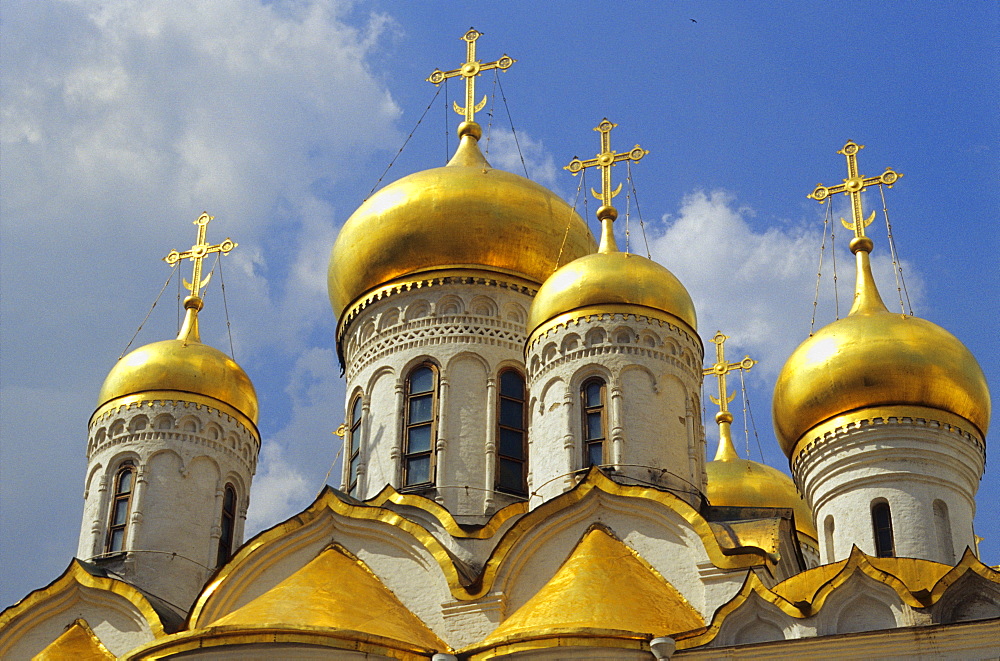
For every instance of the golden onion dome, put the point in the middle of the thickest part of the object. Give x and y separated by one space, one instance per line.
736 482
184 366
876 359
464 215
607 279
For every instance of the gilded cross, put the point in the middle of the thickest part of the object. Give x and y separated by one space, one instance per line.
197 254
853 186
721 368
605 160
469 71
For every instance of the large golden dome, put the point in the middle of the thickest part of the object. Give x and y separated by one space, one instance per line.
875 358
611 278
466 214
184 366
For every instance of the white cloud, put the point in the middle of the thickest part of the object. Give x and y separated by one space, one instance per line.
505 151
758 287
120 122
294 461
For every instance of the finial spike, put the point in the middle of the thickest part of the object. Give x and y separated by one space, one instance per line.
197 254
721 367
866 296
605 160
469 70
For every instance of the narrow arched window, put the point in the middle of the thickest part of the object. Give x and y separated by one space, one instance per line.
942 527
421 405
593 394
511 435
121 505
354 446
227 525
882 525
828 529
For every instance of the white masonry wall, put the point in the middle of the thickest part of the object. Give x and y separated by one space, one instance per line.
470 328
926 471
184 454
653 373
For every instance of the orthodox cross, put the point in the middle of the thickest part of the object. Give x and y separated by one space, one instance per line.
197 254
469 71
853 186
605 160
721 368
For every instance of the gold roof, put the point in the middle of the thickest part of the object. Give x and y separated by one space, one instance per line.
466 214
736 482
918 583
607 279
604 588
183 365
876 358
336 591
77 642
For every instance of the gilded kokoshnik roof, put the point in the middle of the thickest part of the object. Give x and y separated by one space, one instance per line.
464 215
603 592
77 642
333 601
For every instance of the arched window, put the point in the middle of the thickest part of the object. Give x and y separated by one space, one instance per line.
227 526
593 394
511 436
828 528
121 505
421 407
882 525
942 526
354 446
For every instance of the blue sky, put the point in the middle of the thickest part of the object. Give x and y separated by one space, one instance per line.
122 121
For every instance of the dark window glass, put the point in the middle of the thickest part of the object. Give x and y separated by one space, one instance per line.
512 385
421 412
882 523
418 470
421 408
117 540
511 413
512 443
595 454
354 447
512 467
594 421
594 393
422 380
227 525
120 514
121 504
419 439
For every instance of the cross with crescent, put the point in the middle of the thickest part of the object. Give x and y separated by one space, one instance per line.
469 71
721 368
197 254
853 186
605 160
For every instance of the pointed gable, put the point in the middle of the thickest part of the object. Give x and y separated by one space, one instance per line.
78 642
603 590
335 591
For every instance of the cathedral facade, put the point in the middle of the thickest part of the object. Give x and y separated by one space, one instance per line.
524 467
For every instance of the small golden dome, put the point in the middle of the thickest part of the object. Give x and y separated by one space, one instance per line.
740 482
184 365
875 358
466 214
610 278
